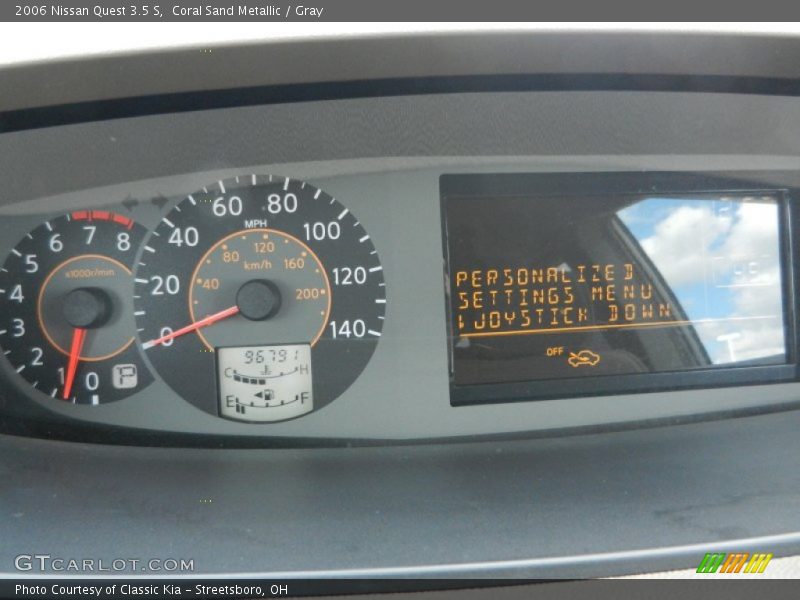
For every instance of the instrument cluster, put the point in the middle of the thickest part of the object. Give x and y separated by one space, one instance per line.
256 299
430 275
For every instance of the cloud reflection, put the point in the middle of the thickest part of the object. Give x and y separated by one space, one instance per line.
721 259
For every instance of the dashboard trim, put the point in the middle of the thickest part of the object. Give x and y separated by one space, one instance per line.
769 57
70 429
524 500
37 117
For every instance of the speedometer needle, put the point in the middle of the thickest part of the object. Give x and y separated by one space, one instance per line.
78 337
204 322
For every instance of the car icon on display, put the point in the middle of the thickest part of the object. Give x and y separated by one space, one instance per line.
583 358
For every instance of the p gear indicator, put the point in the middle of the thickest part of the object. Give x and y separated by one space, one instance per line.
66 308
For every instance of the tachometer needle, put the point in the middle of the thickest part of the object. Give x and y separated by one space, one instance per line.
204 322
78 337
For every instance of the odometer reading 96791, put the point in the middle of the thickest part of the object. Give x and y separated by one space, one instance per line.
264 263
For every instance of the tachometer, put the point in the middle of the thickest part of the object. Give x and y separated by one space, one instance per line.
66 308
259 299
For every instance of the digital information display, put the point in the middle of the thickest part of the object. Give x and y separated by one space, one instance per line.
261 384
582 286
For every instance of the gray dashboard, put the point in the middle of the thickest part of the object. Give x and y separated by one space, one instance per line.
612 484
393 189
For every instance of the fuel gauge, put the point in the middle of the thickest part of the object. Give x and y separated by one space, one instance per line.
261 384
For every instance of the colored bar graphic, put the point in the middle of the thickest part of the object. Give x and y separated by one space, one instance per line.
758 563
711 562
735 562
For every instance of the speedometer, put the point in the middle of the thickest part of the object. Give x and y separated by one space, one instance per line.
259 299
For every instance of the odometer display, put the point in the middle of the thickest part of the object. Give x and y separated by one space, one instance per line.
263 262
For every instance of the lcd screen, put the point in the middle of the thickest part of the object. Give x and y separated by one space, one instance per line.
555 287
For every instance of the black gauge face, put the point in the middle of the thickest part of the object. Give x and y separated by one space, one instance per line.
259 299
66 309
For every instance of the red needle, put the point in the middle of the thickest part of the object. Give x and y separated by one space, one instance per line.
204 322
78 337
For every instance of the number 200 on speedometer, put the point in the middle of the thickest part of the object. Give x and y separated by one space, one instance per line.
259 299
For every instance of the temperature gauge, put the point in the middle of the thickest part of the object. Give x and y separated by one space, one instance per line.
261 384
259 264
